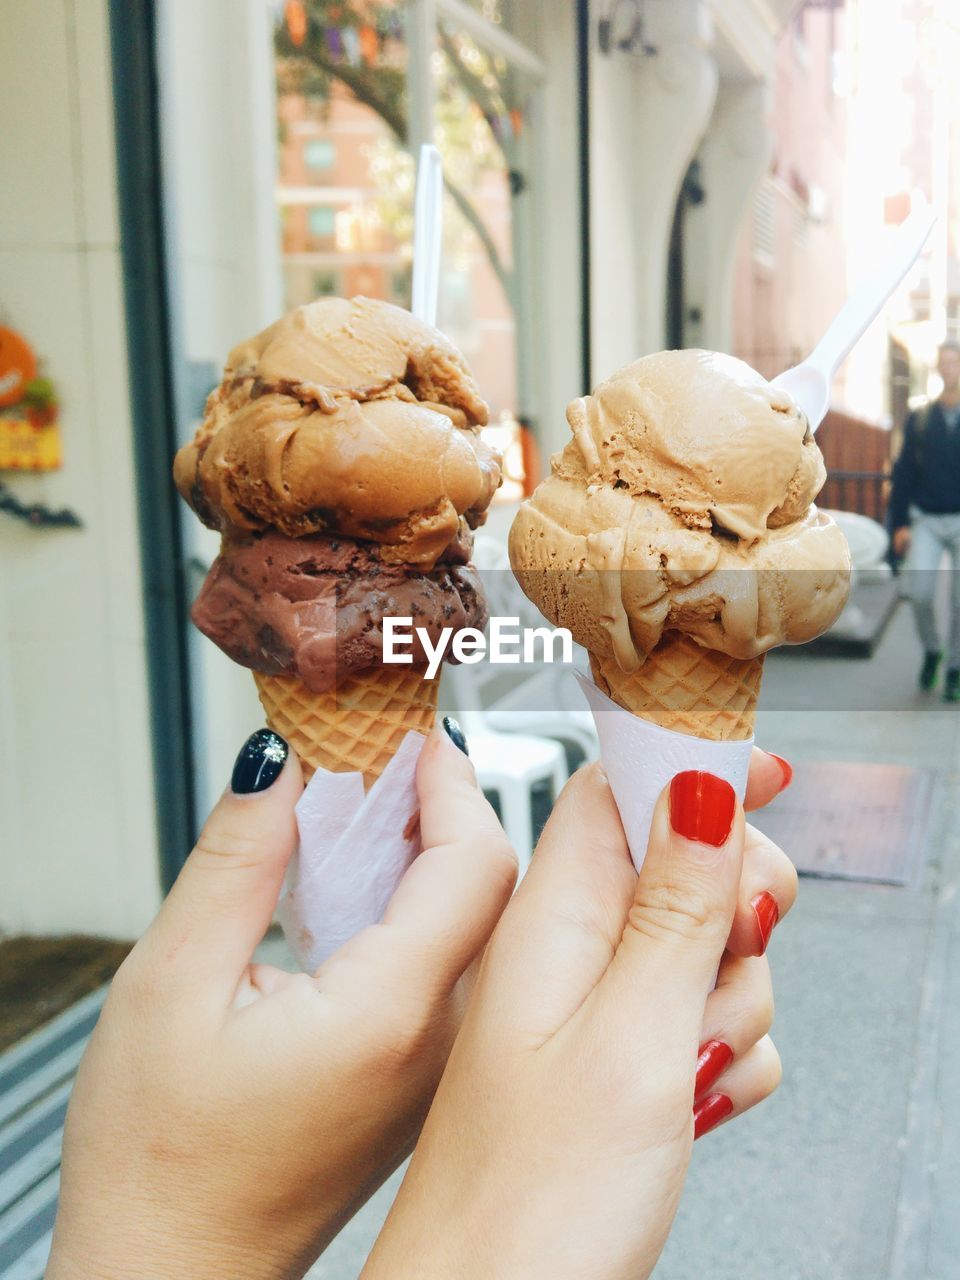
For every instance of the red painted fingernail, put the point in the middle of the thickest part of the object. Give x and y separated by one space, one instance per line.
713 1059
708 1113
768 913
702 807
786 768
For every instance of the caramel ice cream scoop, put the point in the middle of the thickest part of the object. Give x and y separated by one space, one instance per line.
345 417
683 504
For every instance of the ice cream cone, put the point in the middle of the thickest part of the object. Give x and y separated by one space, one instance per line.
686 688
355 728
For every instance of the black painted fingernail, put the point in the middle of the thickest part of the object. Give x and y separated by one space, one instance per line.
259 763
455 734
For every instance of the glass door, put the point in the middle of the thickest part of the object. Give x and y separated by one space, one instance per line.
289 134
358 87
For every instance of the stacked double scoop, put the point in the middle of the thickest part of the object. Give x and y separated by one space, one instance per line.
341 460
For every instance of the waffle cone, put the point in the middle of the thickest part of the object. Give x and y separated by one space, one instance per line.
686 688
355 728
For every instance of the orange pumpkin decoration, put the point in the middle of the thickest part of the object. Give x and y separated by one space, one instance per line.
18 366
296 15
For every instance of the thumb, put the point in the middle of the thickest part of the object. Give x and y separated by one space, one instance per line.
684 902
224 898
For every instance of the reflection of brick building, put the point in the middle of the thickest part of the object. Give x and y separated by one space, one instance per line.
336 240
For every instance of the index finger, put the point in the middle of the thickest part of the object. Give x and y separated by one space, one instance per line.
451 897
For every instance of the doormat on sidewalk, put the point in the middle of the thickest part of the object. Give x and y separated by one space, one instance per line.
854 821
40 977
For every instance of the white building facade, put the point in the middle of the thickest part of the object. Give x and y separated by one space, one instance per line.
83 743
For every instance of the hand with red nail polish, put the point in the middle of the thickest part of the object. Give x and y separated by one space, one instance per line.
574 1090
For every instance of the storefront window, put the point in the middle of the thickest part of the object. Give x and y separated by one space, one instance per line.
346 173
482 110
506 14
341 104
290 176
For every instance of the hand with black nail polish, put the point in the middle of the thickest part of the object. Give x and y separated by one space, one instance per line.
229 1117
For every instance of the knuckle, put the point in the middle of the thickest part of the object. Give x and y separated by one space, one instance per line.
772 1070
666 1109
763 1013
793 882
504 864
227 844
667 911
670 1097
411 1039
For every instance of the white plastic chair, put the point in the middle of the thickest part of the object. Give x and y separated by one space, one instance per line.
544 701
512 764
868 542
540 705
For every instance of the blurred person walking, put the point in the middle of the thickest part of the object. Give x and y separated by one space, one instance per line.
925 517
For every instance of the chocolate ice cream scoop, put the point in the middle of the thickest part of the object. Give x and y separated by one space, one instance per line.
313 607
348 417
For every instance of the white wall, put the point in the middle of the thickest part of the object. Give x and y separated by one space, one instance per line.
77 833
219 132
557 267
648 116
616 256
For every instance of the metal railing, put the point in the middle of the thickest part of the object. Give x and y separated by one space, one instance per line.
864 492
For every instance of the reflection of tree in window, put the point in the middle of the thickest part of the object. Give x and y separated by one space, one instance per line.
479 106
459 299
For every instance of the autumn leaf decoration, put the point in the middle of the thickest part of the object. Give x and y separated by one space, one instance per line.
40 402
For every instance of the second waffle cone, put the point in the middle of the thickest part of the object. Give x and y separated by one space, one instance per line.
686 688
357 727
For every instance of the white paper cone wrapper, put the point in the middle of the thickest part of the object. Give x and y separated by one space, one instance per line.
640 758
354 849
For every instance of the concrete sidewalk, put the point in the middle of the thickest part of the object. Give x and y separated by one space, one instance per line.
852 1171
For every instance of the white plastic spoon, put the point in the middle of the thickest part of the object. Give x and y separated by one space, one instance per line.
427 234
809 383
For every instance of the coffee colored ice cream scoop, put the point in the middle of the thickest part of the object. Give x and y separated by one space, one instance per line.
344 417
683 504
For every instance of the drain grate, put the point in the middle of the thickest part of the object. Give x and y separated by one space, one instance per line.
854 821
